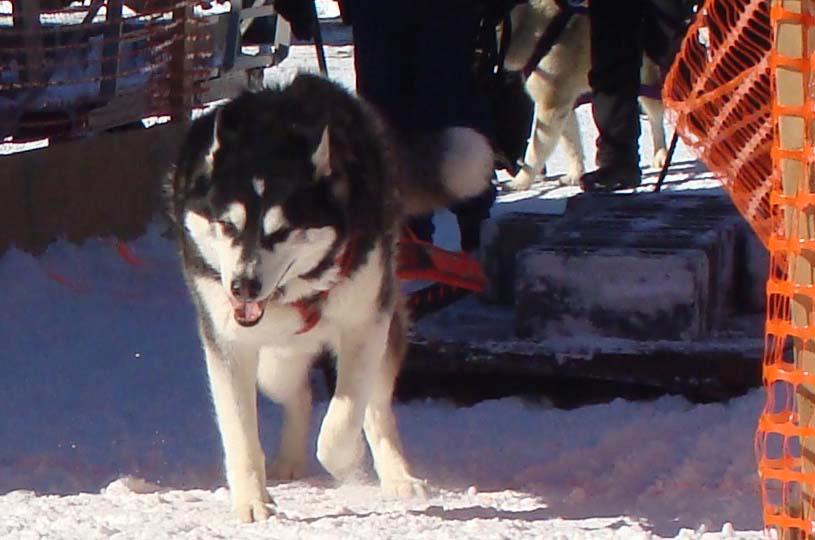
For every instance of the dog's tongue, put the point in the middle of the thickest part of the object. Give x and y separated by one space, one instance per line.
247 313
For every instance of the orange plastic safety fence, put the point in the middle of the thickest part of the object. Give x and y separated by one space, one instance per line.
719 91
759 135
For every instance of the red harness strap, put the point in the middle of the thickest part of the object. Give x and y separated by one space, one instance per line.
310 309
417 260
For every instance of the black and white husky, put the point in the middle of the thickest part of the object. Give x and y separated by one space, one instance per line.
288 204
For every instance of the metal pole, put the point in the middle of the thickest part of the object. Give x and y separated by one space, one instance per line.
318 40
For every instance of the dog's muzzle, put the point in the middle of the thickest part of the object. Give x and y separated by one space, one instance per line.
247 313
247 309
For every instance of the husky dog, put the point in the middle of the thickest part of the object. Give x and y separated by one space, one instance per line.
559 80
288 205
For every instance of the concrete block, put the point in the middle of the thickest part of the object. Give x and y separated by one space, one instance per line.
715 235
754 271
631 293
502 237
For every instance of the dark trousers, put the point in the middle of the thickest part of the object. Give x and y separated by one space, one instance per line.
620 33
414 63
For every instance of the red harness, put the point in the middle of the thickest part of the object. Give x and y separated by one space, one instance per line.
311 308
417 260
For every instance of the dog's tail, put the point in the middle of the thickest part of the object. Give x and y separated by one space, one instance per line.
451 166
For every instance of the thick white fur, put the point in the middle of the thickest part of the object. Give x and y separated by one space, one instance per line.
467 163
275 357
561 78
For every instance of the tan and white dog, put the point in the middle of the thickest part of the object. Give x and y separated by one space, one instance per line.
560 78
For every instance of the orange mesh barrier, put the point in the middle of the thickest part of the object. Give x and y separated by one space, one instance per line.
719 91
743 96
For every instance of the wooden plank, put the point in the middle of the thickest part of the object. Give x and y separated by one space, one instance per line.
257 11
120 110
110 49
712 368
180 78
27 14
791 86
106 185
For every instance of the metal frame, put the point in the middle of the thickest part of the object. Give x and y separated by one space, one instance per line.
116 107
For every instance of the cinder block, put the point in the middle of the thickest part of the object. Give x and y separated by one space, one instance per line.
715 235
631 293
502 237
754 271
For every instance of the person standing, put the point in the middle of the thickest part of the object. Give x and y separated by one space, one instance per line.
414 62
620 33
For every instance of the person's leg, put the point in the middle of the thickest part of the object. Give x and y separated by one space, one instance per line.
616 56
447 93
470 214
383 42
384 60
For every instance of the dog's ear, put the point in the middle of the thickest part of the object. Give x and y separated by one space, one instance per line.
214 140
321 158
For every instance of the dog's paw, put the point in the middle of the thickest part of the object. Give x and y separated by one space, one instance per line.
252 511
660 157
521 182
340 452
286 469
251 502
571 178
404 486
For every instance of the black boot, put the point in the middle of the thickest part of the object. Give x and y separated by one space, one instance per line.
616 57
470 214
609 178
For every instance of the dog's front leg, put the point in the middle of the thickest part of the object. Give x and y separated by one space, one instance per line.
233 376
360 353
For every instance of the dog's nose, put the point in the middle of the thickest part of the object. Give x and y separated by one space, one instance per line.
246 289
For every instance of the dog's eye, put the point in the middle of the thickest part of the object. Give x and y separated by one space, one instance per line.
227 228
200 185
280 235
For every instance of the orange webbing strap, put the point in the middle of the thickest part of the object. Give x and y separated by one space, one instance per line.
421 261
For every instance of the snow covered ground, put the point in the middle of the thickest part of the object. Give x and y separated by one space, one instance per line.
106 428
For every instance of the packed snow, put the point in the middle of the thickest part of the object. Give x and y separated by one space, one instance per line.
107 429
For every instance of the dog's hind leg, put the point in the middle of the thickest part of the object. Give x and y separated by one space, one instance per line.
360 352
549 124
232 376
655 112
573 147
380 422
283 377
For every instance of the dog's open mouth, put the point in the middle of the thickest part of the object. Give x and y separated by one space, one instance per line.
247 313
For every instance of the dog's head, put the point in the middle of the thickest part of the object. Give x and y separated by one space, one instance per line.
255 198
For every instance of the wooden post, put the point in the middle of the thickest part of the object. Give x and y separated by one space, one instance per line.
27 12
111 49
792 85
180 77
